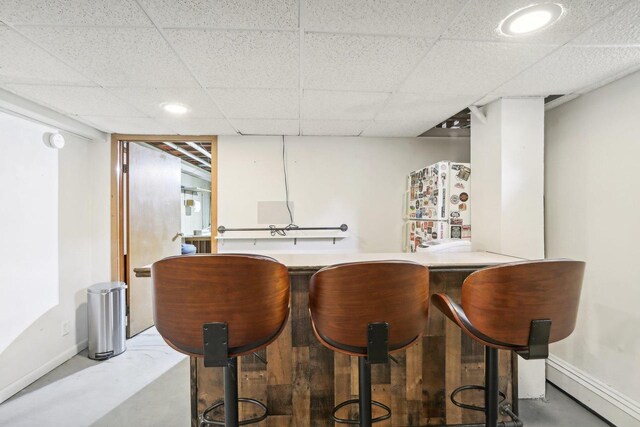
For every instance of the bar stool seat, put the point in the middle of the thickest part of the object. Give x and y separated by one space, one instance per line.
219 307
521 307
368 310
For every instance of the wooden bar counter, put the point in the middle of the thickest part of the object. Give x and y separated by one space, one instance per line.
302 381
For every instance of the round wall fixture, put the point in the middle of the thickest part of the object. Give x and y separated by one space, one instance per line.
531 19
54 140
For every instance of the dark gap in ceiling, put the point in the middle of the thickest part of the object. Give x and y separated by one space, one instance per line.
459 124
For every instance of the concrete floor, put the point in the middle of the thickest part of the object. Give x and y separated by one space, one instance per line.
148 385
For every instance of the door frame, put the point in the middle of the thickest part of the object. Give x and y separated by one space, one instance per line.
118 226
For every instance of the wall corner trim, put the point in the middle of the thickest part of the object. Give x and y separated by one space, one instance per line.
16 386
599 397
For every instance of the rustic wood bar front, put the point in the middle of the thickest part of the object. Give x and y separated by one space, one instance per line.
302 381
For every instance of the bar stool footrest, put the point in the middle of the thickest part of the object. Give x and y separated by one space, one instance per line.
459 404
356 401
206 421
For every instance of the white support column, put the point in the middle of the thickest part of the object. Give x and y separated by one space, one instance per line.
507 158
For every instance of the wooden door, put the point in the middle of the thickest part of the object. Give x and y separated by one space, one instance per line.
153 224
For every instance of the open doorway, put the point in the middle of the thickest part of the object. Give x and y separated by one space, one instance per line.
164 203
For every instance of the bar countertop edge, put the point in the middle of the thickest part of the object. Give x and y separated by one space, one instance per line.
301 262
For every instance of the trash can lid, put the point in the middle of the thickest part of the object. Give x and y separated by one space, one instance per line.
106 287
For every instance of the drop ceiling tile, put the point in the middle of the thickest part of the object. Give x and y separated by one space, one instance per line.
257 103
423 107
73 12
116 56
570 69
359 63
468 67
240 14
77 100
333 127
398 128
480 19
128 125
266 127
258 59
149 100
23 62
488 99
199 126
426 18
621 28
341 105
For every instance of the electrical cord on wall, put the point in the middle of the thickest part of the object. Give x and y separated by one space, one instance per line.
292 225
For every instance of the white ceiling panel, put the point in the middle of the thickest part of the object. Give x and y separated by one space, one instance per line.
257 103
468 67
199 126
73 12
262 59
266 127
333 127
399 128
321 105
359 63
242 14
570 69
116 56
77 100
480 19
425 18
149 100
487 99
129 125
23 62
424 107
621 28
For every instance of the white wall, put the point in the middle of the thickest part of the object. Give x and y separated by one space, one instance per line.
332 180
507 163
592 192
83 258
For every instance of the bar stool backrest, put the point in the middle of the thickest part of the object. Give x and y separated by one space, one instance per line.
345 298
248 292
501 301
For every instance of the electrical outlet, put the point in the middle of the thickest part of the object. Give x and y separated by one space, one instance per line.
66 327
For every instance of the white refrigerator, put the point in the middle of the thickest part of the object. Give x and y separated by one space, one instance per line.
437 205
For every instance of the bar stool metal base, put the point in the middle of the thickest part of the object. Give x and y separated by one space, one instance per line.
231 399
206 421
493 398
357 421
364 401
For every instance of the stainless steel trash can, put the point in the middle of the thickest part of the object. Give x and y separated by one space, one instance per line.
106 309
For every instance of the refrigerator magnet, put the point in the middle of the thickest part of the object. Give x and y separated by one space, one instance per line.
455 199
456 232
464 173
455 214
462 207
459 185
464 197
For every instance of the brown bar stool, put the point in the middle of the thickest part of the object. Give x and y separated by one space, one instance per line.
520 307
220 307
368 309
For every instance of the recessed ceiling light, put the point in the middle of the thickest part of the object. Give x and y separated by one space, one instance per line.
531 19
174 108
